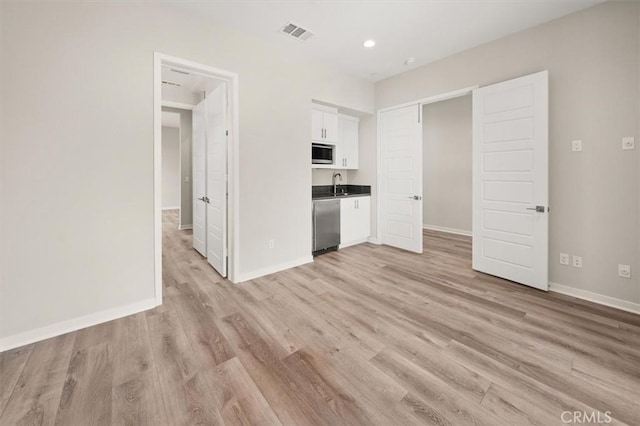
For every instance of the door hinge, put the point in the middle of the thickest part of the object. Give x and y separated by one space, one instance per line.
227 133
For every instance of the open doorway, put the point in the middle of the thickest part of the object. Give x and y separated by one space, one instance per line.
510 190
447 137
171 162
195 161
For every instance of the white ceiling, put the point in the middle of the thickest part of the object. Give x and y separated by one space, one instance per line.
189 88
427 30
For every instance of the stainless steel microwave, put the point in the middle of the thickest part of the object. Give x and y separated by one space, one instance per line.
322 153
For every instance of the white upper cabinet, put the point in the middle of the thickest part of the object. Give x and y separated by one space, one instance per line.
347 146
317 124
324 124
330 120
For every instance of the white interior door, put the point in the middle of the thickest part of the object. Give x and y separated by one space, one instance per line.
510 180
400 138
216 107
199 169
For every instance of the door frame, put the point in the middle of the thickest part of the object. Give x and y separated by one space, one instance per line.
233 180
421 103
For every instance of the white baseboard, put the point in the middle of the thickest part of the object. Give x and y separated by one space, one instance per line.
374 240
275 268
63 327
449 230
184 227
353 243
171 208
601 299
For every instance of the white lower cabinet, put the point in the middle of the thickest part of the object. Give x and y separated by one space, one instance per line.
355 220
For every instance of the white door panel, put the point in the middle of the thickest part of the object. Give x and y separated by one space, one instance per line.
401 178
216 107
198 137
510 178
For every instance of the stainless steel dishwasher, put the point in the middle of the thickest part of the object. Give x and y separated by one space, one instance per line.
326 225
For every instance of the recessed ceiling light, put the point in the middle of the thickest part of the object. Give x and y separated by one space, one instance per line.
369 43
409 61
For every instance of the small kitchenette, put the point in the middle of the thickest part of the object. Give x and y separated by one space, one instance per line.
341 211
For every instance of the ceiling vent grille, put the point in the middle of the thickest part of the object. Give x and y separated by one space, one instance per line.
296 32
171 83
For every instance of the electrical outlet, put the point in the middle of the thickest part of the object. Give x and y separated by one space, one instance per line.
577 261
272 244
576 145
564 259
628 143
624 271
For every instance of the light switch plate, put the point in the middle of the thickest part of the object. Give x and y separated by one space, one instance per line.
576 146
628 143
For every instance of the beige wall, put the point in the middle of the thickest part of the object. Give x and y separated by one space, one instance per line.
593 62
77 99
170 168
446 165
325 176
186 190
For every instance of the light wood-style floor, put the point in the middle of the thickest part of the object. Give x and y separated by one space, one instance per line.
367 335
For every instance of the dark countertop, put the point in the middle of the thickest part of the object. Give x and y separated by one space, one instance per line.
325 192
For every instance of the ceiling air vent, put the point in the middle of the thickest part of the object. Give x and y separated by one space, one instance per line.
295 31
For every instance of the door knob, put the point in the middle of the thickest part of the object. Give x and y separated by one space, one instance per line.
539 209
416 197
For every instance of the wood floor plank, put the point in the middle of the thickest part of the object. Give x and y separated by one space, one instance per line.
187 397
11 365
434 392
243 403
136 396
367 335
553 396
289 395
36 395
514 409
202 325
86 396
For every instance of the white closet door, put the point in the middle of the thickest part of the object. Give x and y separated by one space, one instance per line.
400 138
199 179
510 180
216 107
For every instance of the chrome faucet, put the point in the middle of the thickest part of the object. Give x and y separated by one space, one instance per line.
335 187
